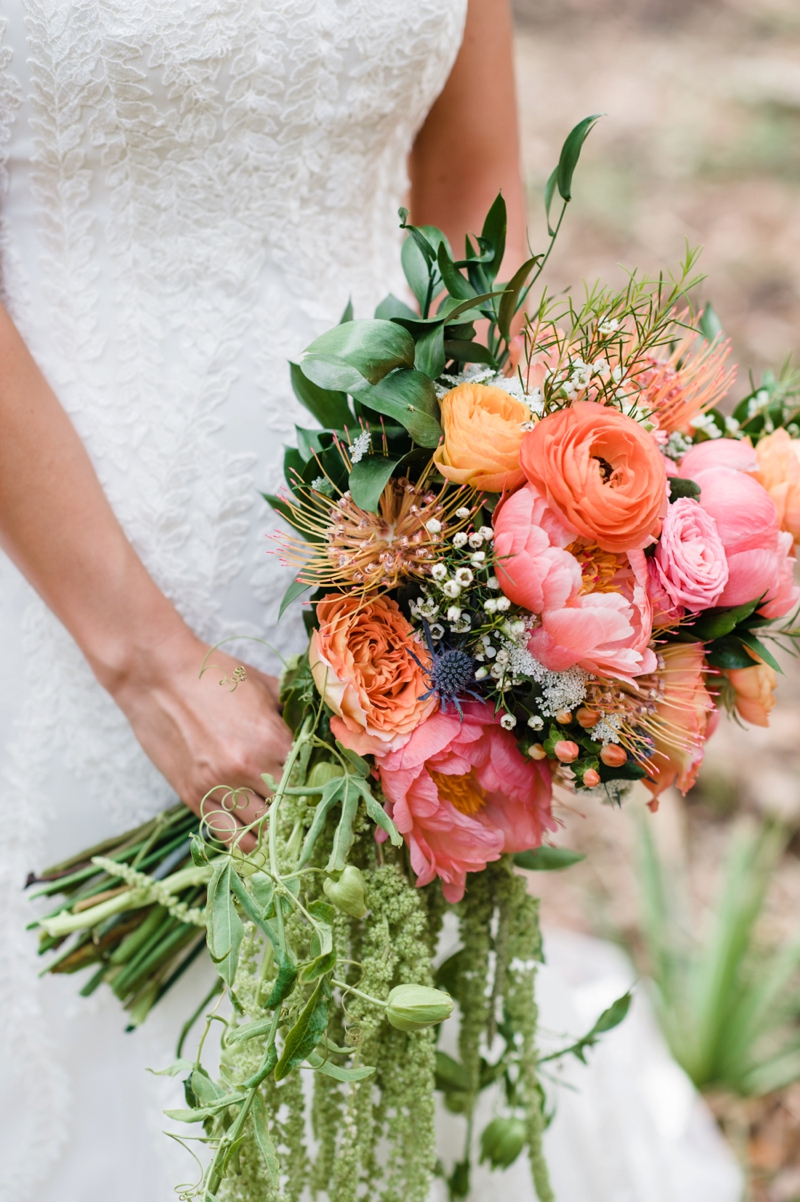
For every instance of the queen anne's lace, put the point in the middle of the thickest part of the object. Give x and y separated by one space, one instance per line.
194 188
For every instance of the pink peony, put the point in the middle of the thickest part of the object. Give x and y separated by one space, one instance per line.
462 794
534 569
690 558
737 453
759 555
602 632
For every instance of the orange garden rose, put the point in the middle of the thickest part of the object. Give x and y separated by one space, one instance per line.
754 688
361 662
779 473
601 471
482 437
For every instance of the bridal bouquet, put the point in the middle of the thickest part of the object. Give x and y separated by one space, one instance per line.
532 561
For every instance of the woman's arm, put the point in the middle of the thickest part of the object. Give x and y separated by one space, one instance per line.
57 526
468 148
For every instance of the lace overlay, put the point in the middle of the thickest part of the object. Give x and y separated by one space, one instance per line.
190 192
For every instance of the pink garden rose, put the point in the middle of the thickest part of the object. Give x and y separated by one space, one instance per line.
534 569
462 795
759 554
690 558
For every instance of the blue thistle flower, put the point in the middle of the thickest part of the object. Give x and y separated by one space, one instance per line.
450 676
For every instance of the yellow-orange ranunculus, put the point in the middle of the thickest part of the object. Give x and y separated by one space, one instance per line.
754 688
482 436
362 663
601 471
779 472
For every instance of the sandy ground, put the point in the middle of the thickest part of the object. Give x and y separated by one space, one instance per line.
700 143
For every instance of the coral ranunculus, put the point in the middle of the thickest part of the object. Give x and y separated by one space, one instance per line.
601 471
482 437
462 794
362 665
683 717
754 688
779 472
690 558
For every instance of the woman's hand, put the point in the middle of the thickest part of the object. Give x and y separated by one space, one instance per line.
207 733
57 526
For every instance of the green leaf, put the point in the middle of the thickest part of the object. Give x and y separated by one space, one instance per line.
755 645
494 233
201 1113
377 813
549 191
322 911
451 1074
510 300
284 982
409 398
714 623
678 487
372 346
339 1074
728 652
344 835
571 152
348 312
264 1140
174 1070
613 1015
391 307
547 859
331 795
455 283
415 269
306 1032
224 926
429 356
295 590
368 479
357 762
709 323
468 352
331 372
330 408
323 964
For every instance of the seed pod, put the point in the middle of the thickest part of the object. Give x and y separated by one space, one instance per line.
587 718
537 752
613 756
414 1007
566 751
502 1141
564 717
591 778
322 772
347 894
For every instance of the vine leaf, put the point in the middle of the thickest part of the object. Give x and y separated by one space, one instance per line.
224 926
264 1140
339 1074
307 1031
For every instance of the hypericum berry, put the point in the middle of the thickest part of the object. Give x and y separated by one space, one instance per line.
566 751
614 756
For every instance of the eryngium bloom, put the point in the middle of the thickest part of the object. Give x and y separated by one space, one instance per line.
373 551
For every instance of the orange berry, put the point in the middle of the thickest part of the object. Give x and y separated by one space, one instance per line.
613 756
566 751
537 752
587 718
591 778
564 717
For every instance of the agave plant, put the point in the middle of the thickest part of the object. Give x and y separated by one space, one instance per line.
728 1004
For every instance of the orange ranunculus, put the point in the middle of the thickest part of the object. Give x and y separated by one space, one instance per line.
779 472
683 718
482 436
754 688
601 471
362 665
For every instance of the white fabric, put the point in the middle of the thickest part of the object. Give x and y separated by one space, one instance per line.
191 191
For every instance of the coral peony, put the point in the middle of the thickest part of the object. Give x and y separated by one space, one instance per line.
754 688
779 472
737 453
601 471
482 437
533 567
462 794
682 719
601 631
690 558
759 556
362 665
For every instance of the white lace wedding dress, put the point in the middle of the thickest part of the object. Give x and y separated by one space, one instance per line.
189 192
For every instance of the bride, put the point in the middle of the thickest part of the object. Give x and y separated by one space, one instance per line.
191 190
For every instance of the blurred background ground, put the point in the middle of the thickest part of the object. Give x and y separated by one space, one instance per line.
700 142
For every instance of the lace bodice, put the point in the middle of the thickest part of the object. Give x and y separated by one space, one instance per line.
191 189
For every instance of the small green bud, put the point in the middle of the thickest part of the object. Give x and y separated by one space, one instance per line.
347 894
322 772
502 1141
413 1007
